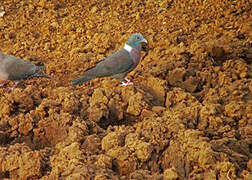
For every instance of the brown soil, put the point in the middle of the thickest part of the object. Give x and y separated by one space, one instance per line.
187 116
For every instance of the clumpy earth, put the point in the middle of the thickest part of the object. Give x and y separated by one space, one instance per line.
187 116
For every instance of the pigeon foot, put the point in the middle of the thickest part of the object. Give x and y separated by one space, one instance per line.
126 79
13 87
127 82
2 84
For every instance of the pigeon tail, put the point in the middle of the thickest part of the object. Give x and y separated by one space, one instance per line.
86 76
40 74
82 79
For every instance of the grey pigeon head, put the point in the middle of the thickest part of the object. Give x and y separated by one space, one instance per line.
135 40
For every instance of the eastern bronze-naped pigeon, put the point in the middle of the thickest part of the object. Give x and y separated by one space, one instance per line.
16 69
118 64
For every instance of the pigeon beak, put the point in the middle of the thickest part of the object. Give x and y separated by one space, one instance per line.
144 40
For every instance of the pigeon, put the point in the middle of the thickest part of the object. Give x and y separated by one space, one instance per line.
118 64
16 69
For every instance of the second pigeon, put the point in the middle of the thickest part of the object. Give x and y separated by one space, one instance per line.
16 69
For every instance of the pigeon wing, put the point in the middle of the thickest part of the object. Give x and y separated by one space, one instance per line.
116 63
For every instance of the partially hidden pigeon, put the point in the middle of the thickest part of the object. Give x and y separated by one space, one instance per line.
16 69
118 64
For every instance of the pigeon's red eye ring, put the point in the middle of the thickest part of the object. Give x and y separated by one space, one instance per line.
137 37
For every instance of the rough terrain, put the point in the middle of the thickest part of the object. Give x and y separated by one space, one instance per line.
187 116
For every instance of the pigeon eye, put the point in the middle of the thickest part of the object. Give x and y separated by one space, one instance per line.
137 37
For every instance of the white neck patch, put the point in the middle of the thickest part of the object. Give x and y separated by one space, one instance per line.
127 48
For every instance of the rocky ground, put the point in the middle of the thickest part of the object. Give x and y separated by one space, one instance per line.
187 116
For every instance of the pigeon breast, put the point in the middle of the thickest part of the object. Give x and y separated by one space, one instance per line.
135 54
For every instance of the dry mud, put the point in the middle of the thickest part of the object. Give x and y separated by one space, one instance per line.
187 116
